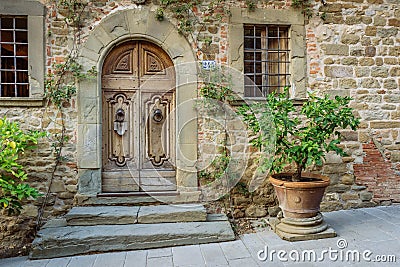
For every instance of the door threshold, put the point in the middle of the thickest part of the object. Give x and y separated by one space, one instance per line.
139 194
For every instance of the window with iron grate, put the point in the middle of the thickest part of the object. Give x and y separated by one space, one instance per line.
266 59
14 79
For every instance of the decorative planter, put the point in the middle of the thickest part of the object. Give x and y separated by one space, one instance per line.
300 204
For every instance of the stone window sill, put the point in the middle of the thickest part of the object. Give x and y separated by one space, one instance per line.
21 102
249 100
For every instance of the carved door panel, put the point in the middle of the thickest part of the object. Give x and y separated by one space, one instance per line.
138 128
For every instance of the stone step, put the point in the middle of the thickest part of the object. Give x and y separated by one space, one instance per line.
72 240
97 215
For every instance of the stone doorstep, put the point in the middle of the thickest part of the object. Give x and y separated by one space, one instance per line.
97 215
73 240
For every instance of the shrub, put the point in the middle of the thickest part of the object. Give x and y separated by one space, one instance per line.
13 143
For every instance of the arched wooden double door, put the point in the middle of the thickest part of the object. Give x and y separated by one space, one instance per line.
138 153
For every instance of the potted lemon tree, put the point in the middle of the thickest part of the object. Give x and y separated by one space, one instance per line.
303 136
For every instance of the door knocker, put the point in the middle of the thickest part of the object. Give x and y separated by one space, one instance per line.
157 115
120 126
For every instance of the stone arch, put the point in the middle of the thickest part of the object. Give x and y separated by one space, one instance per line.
122 25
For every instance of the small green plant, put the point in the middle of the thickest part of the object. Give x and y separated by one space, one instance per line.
13 144
305 6
251 6
304 136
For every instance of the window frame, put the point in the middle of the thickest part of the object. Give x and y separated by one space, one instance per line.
35 12
264 57
297 44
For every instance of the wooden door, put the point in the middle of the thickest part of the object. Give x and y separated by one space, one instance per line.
138 94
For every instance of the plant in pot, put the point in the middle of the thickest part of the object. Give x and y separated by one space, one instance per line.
303 136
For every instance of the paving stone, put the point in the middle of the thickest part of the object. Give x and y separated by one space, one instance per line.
136 258
235 250
35 263
102 215
59 262
187 256
160 262
13 262
82 261
213 255
172 213
73 240
110 259
248 262
159 252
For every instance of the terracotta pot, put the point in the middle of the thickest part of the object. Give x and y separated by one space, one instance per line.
300 199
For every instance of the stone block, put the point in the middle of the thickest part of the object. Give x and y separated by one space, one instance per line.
384 124
256 211
348 179
336 49
172 213
88 146
370 51
366 61
391 98
382 72
390 84
347 83
386 32
98 215
350 38
370 31
379 21
57 186
394 71
366 195
349 196
349 61
338 71
89 181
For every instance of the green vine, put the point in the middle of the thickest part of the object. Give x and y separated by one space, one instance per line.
189 23
306 8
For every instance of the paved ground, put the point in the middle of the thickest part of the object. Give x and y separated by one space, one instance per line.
367 237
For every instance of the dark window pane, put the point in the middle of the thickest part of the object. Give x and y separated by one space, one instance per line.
7 23
7 90
248 31
22 77
7 50
7 77
249 56
22 50
22 90
258 31
21 23
248 67
22 63
7 63
21 37
272 32
258 43
7 36
248 43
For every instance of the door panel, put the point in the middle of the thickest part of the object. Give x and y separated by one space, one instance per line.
138 132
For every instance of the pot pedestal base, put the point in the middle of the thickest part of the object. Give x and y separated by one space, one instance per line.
299 229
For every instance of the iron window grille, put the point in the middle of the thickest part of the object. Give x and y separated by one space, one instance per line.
14 79
266 59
